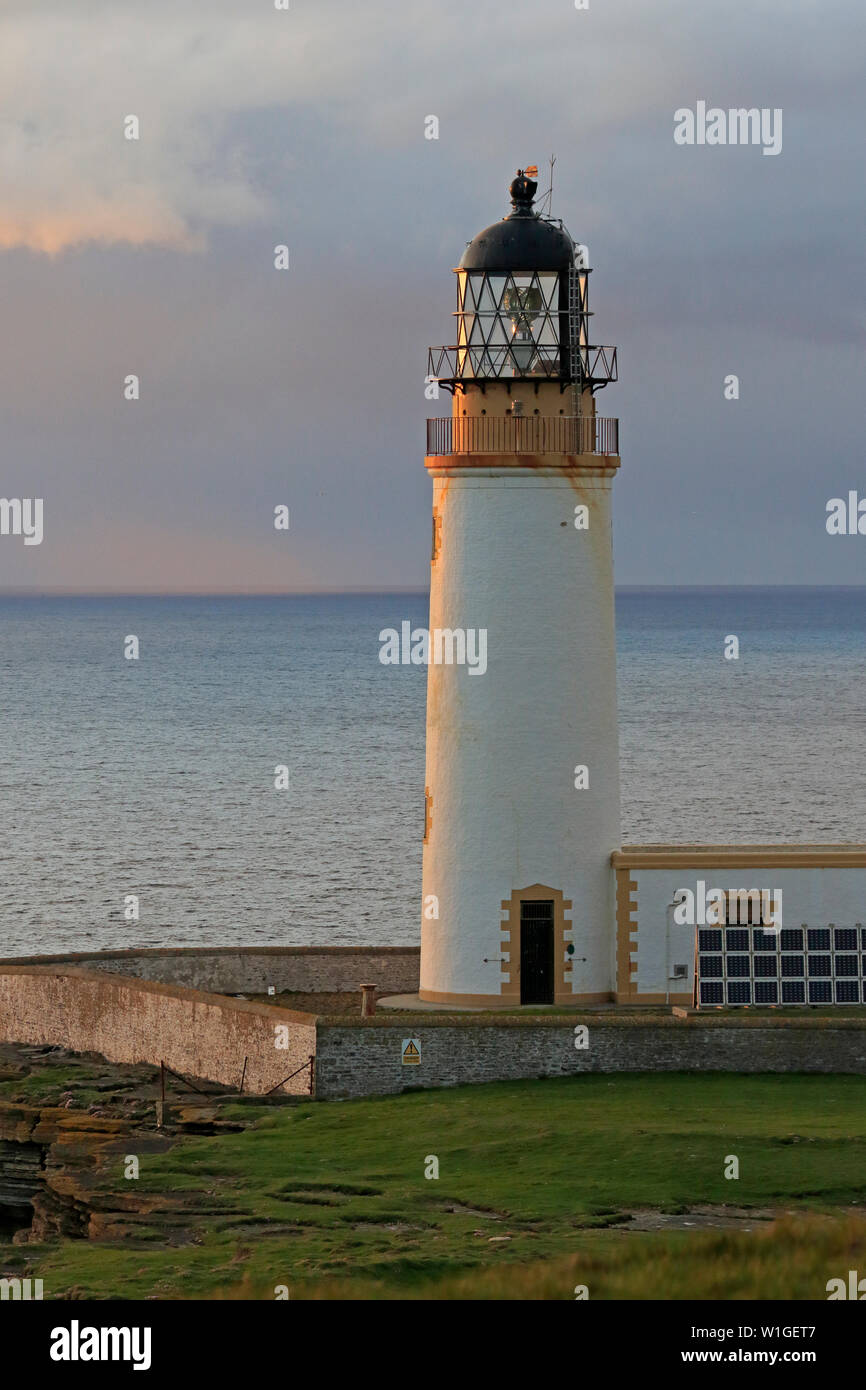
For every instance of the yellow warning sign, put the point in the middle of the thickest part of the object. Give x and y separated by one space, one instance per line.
411 1052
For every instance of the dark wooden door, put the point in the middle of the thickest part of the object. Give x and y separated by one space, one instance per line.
536 953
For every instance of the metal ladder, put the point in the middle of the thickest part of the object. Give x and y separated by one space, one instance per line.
574 317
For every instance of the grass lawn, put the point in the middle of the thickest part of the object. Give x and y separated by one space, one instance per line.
537 1181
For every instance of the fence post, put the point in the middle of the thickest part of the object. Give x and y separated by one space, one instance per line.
160 1104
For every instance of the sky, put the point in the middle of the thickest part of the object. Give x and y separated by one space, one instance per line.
305 387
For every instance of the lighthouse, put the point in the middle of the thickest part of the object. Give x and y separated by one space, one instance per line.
522 764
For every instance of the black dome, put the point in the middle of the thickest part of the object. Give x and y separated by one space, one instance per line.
521 241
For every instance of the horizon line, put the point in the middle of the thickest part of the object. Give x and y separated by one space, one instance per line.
22 591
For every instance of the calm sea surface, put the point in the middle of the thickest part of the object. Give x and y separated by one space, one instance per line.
156 777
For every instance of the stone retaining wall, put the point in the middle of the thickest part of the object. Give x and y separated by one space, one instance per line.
129 1020
365 1057
209 1036
251 969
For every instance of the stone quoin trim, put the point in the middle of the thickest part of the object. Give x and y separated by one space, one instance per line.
627 916
626 937
562 937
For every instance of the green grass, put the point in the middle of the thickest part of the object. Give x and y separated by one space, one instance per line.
305 1198
45 1085
792 1260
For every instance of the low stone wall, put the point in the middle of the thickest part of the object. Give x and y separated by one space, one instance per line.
364 1057
129 1020
206 1035
251 969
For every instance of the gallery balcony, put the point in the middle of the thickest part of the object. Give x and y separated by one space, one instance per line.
523 434
513 359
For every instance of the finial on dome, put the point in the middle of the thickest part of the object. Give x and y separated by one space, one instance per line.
522 190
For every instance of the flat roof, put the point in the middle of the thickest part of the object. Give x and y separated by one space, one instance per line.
852 856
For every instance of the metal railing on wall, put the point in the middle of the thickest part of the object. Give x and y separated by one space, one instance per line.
523 434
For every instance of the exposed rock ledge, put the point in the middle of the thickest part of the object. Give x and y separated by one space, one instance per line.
67 1123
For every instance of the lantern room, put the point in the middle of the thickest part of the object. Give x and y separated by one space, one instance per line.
522 307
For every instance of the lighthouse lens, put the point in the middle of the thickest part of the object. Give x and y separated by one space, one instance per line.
523 305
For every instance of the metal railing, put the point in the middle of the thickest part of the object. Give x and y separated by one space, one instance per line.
595 364
523 434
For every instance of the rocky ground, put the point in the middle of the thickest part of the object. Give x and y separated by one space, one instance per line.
69 1126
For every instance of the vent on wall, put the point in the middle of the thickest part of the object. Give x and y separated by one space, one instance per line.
680 972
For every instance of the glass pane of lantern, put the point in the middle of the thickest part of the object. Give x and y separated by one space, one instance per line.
500 364
523 353
472 293
583 307
485 299
549 286
464 328
482 363
496 285
475 362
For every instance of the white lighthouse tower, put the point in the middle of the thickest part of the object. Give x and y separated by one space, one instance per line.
522 777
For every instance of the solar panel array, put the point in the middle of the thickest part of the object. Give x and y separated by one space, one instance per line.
792 965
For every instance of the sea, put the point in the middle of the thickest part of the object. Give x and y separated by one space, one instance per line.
153 779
